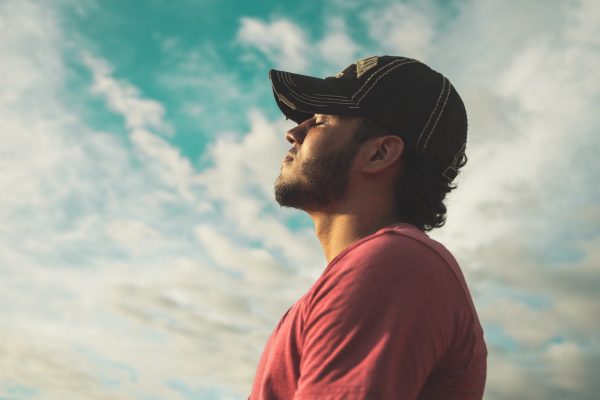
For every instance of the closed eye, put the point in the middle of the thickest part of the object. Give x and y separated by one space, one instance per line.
319 122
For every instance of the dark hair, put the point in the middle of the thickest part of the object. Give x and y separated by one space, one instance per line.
421 188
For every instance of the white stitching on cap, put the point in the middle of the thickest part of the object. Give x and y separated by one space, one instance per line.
289 77
382 75
390 64
439 114
302 98
305 98
316 96
373 75
286 77
293 92
323 95
286 101
329 99
433 110
318 104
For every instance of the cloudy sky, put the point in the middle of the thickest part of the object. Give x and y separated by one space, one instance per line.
142 254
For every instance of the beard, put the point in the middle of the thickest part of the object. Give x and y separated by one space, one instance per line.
318 181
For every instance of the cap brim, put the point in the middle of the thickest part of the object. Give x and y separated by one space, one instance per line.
300 97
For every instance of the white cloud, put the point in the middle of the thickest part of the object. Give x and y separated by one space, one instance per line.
286 45
125 99
401 29
208 89
133 235
84 216
567 363
104 243
169 165
282 41
337 47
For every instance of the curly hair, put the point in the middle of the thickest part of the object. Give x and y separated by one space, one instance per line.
421 189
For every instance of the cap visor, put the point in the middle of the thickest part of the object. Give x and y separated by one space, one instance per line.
300 97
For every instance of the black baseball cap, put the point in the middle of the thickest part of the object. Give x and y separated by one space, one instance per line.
403 95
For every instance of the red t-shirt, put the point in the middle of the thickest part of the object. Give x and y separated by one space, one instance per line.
391 317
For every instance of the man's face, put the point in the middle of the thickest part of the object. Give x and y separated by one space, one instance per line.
319 169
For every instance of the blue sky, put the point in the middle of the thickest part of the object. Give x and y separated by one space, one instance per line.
142 253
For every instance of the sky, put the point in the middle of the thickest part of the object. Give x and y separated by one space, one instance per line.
142 253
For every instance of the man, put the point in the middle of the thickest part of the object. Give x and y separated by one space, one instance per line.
391 317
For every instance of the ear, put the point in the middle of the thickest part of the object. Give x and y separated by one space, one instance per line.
382 153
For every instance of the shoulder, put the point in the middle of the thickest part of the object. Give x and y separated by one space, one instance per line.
394 263
398 251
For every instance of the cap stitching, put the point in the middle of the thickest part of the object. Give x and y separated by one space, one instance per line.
439 114
309 100
299 96
382 75
315 96
286 101
388 65
461 150
336 101
303 98
287 75
433 110
322 95
292 92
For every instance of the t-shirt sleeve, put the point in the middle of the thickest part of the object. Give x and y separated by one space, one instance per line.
377 325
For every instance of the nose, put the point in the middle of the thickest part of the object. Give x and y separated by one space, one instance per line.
296 135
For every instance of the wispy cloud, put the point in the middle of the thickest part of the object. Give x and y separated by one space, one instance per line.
125 99
337 46
113 249
403 29
282 41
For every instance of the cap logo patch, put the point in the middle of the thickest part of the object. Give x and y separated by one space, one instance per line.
365 64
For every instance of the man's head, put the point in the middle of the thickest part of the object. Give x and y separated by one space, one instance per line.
318 168
384 121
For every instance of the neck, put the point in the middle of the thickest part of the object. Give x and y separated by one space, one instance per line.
339 230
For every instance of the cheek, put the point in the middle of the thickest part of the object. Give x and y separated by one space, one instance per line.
319 144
